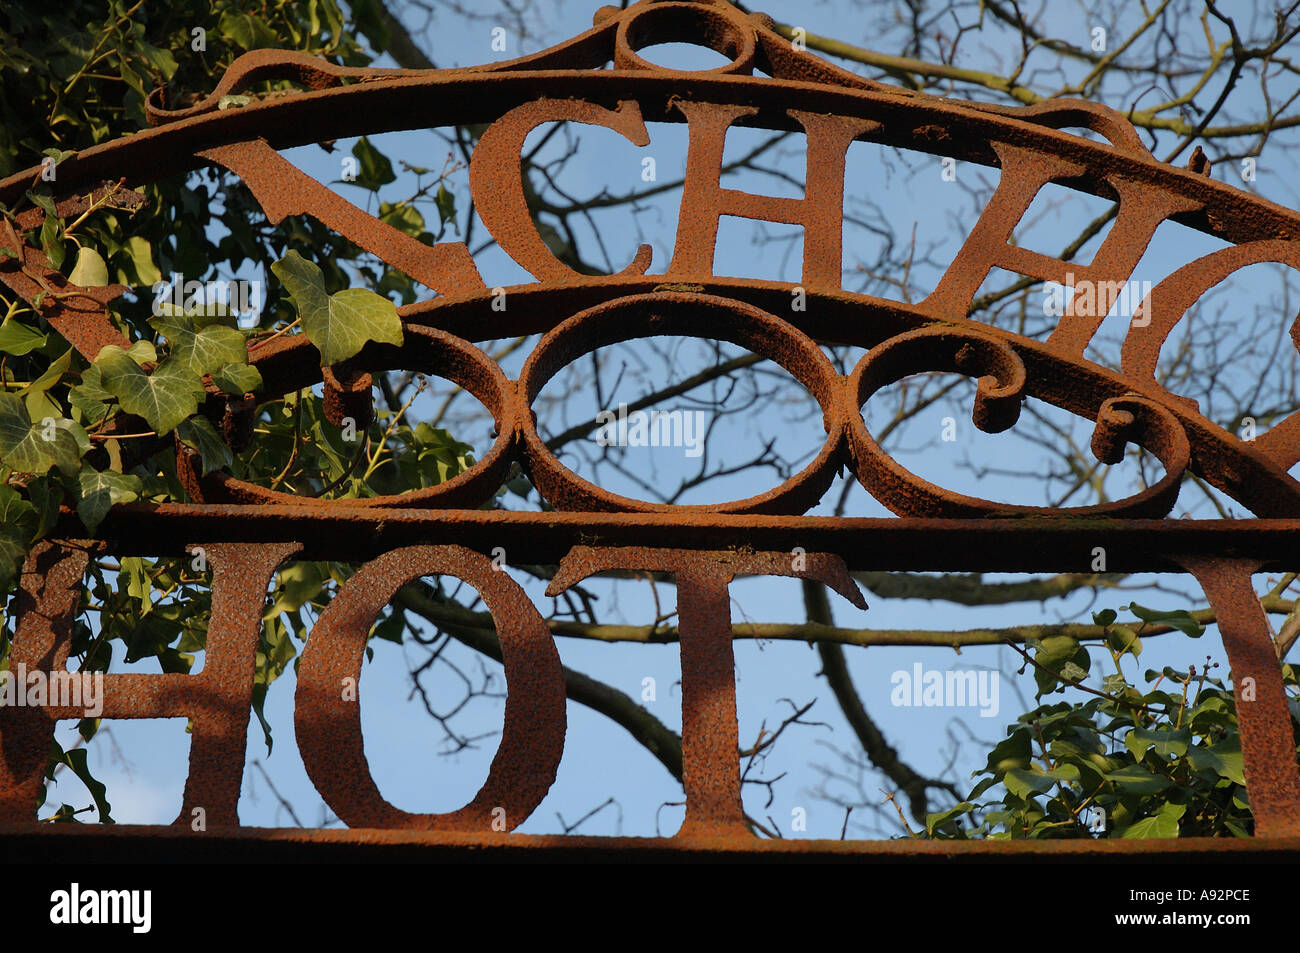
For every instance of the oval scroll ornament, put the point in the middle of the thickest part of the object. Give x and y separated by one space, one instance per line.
689 315
1000 390
293 365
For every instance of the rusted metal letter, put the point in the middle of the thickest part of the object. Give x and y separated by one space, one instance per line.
327 707
710 733
1267 745
820 211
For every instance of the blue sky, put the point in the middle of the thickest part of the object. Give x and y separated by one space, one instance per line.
143 762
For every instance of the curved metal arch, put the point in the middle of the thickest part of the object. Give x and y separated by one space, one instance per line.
832 106
415 99
1027 143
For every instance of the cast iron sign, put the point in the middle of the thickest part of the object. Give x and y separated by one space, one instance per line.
246 531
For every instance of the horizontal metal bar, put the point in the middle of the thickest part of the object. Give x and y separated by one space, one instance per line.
347 532
55 843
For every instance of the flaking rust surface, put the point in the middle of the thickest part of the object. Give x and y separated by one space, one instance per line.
251 530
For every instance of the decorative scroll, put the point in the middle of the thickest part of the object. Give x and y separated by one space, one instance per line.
251 529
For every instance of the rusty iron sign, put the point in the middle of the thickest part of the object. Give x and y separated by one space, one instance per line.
247 531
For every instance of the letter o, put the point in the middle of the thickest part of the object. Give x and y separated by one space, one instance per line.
329 731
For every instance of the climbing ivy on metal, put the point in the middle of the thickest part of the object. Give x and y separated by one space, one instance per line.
246 531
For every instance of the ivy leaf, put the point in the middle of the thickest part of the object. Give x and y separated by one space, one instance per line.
1025 783
92 409
138 584
40 407
1055 653
18 339
299 583
198 432
247 31
1162 825
404 218
164 398
259 705
1123 639
100 490
1224 759
935 820
201 351
46 494
1180 619
1071 672
392 628
90 271
1213 712
51 242
35 447
1166 741
237 379
76 760
53 374
275 650
1136 779
1014 751
89 396
160 61
340 324
17 527
367 22
375 170
141 254
439 455
143 352
446 201
44 201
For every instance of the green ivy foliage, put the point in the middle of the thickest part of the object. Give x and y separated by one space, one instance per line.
1162 760
79 436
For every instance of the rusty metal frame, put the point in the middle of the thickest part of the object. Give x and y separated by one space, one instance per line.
246 531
